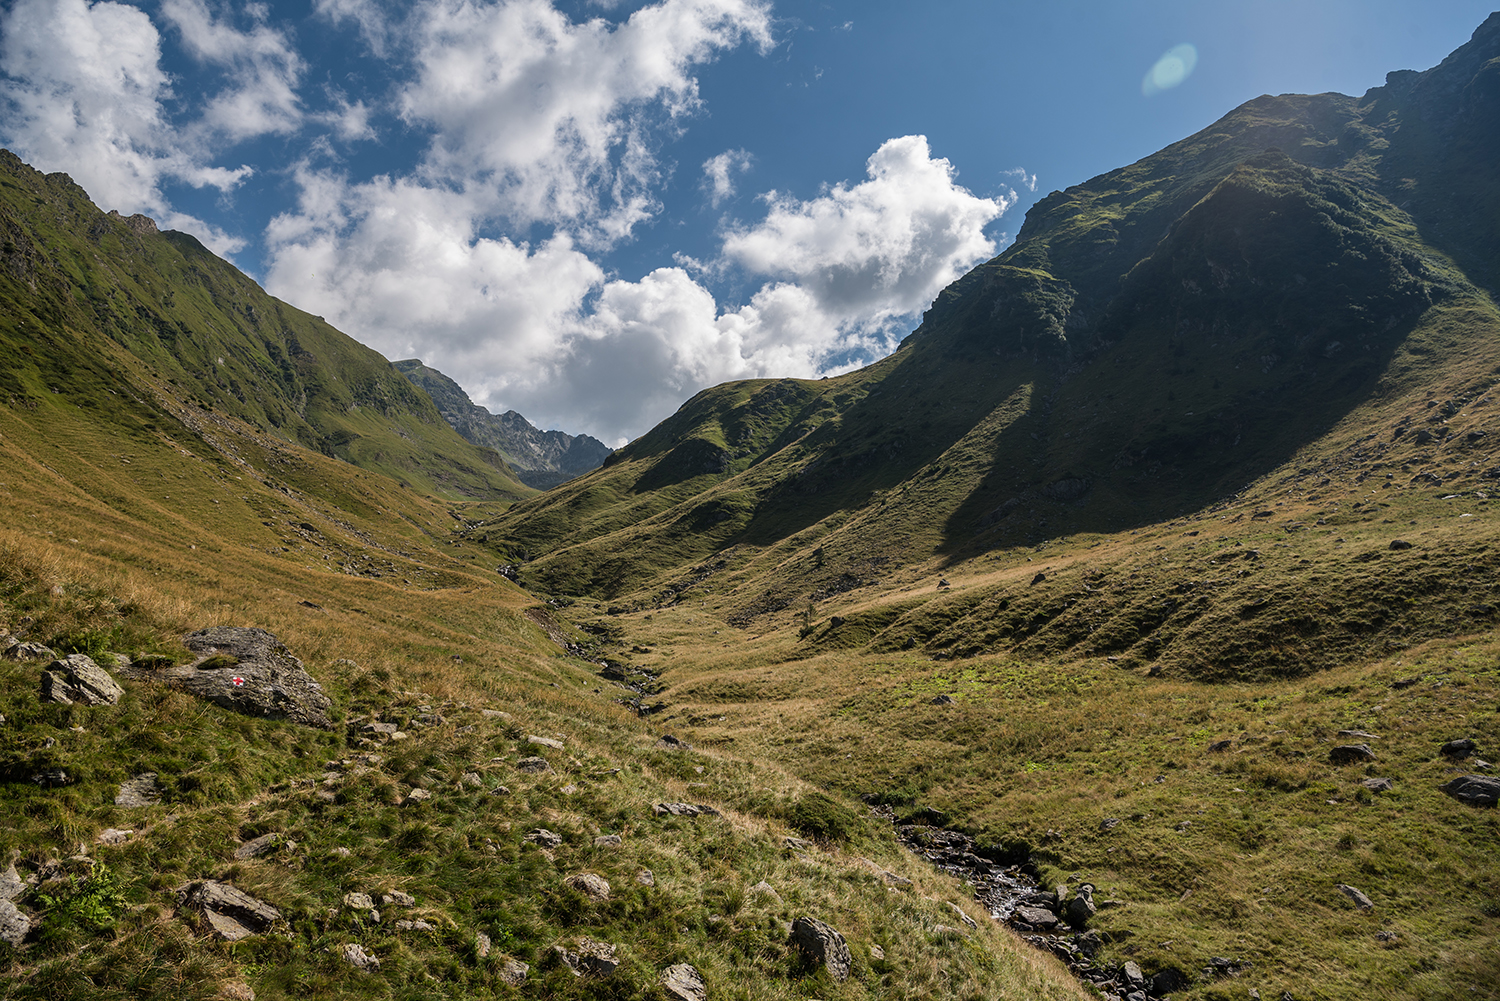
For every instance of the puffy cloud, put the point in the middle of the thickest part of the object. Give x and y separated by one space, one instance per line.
263 71
554 116
85 92
719 171
881 248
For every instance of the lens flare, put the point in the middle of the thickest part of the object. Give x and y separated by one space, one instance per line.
1171 69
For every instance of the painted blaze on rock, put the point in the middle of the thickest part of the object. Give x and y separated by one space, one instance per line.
248 671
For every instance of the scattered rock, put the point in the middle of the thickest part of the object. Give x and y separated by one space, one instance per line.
684 983
113 836
1172 980
482 945
1474 790
962 916
140 790
227 912
28 651
256 848
416 796
496 714
876 952
543 838
513 972
821 945
590 885
51 778
1358 735
247 671
1218 745
591 958
500 791
942 700
667 742
358 902
471 780
948 931
236 990
764 889
556 745
1133 975
14 925
1399 544
1037 917
1081 908
533 765
1108 824
1459 749
684 810
1361 901
1039 578
1378 785
397 899
646 877
415 926
1351 754
608 841
356 956
76 678
11 883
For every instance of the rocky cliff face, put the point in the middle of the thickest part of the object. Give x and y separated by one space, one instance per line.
541 459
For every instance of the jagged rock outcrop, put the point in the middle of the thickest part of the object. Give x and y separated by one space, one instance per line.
76 678
821 945
226 911
540 459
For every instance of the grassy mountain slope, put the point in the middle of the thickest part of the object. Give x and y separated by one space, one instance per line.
1195 475
318 499
114 315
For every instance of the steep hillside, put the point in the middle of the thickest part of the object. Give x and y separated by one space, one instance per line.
540 459
109 314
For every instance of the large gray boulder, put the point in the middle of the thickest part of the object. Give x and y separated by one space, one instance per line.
1474 790
76 678
247 671
229 913
821 945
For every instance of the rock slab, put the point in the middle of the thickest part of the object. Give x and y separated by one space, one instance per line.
684 982
77 679
140 790
226 911
248 671
13 924
821 945
1474 790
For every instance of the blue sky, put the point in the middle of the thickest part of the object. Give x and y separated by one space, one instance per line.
588 210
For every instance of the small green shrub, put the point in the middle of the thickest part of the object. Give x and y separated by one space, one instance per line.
819 816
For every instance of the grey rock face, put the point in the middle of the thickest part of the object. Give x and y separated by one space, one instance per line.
684 982
248 671
76 678
1474 790
819 944
13 924
229 913
16 650
141 790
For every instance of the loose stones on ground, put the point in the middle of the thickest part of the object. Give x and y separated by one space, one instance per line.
684 982
228 912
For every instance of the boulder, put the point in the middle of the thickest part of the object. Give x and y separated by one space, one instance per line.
1474 790
14 925
590 958
16 650
683 810
671 743
608 841
355 955
415 926
593 886
1378 784
256 848
225 911
646 877
1037 917
358 902
556 745
1351 754
513 972
819 944
684 982
1459 749
1081 908
76 678
1361 901
534 765
11 884
398 899
543 838
140 790
247 671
